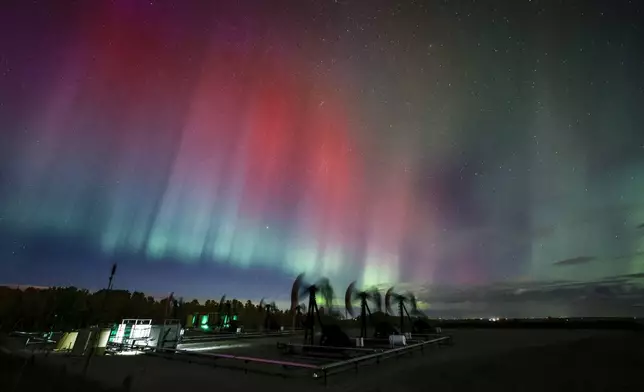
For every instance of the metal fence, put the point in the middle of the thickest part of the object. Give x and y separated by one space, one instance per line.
318 371
354 363
229 336
287 368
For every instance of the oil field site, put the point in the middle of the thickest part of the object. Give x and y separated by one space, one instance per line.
312 349
479 358
386 343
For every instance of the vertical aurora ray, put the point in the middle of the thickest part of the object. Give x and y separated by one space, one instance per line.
329 138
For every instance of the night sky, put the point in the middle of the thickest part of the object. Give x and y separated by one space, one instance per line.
488 155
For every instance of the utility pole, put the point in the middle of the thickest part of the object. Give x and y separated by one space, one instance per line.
109 284
94 337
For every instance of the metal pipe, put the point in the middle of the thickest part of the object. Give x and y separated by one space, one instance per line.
330 348
245 359
377 340
371 356
324 368
234 336
427 335
32 340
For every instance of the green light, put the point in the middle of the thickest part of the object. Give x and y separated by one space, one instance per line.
204 320
234 317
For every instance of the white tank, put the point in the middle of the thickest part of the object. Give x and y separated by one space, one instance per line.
397 340
100 343
82 340
66 342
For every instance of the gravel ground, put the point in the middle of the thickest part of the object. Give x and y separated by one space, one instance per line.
517 361
22 375
531 360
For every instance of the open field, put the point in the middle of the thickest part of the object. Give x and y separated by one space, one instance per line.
480 359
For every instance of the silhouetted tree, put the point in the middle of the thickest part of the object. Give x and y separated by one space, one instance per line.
61 308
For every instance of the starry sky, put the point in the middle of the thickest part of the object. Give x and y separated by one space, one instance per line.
488 155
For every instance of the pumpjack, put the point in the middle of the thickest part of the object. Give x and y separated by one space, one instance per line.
418 324
299 316
365 296
269 309
227 318
332 335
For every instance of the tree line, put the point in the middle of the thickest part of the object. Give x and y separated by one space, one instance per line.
63 308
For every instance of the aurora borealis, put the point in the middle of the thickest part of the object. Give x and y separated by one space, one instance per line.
227 146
